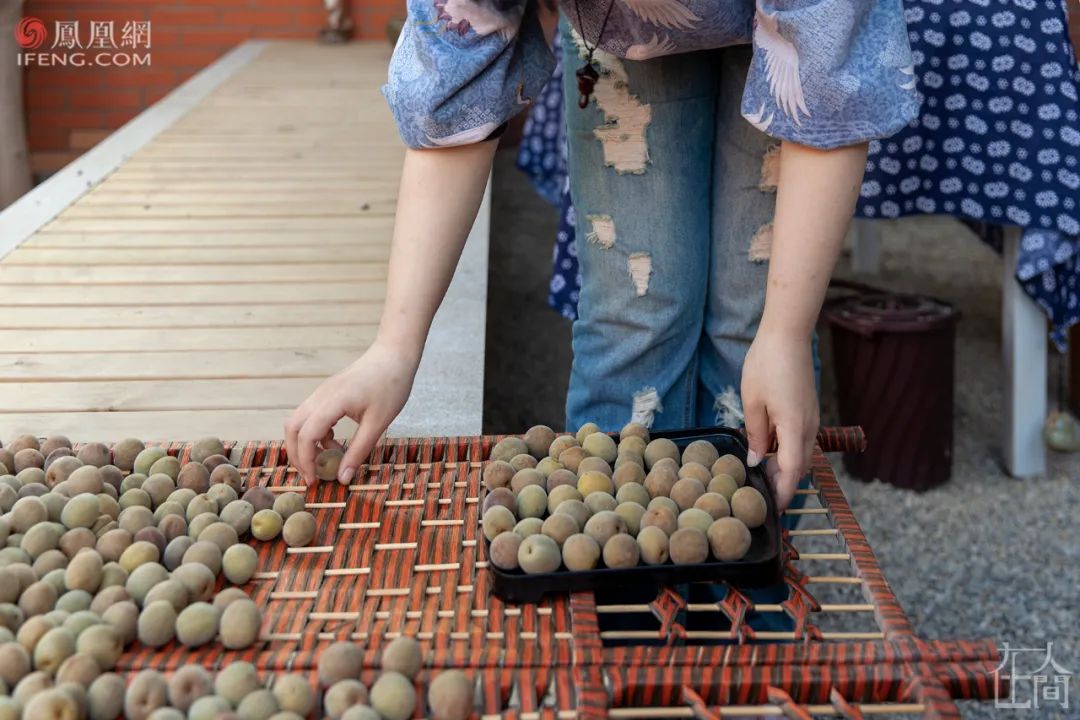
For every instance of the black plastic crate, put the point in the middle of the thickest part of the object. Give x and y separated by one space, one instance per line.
760 567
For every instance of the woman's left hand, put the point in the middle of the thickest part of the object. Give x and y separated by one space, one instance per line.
780 398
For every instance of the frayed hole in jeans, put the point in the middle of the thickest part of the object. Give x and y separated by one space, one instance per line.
770 170
622 134
761 243
728 407
646 404
602 232
640 267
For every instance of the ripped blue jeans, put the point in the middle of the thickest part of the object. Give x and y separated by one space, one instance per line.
674 194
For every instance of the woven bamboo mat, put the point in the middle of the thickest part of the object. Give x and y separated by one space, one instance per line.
400 552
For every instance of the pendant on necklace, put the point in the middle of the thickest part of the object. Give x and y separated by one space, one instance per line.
586 81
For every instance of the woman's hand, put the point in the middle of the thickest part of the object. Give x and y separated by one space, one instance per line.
437 201
779 397
371 391
815 199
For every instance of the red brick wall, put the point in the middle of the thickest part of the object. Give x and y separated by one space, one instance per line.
70 109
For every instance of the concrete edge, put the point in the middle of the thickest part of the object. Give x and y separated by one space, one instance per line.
448 394
41 205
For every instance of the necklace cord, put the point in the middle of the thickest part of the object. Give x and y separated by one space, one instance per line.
603 27
587 74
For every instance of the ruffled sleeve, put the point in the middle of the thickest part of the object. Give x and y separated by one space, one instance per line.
462 68
829 73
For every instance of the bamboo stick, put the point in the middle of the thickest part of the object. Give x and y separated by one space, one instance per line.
643 713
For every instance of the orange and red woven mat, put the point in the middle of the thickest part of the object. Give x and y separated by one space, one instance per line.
401 552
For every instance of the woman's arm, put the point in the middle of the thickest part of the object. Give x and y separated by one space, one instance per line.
815 200
440 193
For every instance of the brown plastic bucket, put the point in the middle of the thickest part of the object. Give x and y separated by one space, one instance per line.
895 376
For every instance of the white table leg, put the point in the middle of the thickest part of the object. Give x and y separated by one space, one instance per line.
1023 330
865 247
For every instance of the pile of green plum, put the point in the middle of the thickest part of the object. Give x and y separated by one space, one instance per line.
584 501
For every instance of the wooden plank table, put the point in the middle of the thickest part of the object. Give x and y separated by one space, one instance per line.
205 267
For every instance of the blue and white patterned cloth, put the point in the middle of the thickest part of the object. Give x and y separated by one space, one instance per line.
542 156
997 143
998 140
542 153
825 73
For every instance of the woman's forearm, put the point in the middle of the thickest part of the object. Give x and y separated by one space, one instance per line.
815 200
440 193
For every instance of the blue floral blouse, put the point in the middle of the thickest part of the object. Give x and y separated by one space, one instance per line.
997 144
826 73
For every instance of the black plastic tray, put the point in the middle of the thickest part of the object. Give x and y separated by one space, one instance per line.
760 567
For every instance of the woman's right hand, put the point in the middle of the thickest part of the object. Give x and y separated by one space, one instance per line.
371 391
439 195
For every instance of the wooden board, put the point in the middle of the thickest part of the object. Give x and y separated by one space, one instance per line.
247 194
144 395
235 207
155 425
155 275
327 243
239 258
106 296
163 318
172 364
312 226
137 340
222 271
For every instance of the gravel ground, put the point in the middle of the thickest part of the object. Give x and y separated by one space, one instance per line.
982 556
